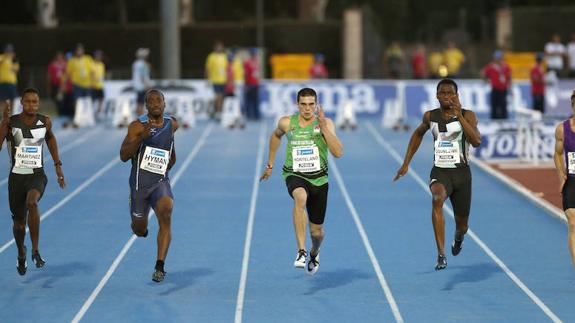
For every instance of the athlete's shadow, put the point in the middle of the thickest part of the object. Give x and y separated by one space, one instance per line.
51 273
470 274
333 279
182 279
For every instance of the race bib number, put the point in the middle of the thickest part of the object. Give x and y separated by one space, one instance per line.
305 159
28 157
571 162
155 160
446 153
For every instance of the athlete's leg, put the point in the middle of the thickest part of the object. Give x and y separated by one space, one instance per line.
570 213
19 231
299 216
163 211
439 195
317 235
32 199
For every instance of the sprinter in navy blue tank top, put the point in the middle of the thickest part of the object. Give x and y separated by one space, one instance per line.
564 159
149 144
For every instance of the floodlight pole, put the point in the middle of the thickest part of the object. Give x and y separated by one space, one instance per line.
170 25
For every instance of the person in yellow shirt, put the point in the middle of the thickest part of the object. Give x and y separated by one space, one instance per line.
9 67
216 64
435 64
98 75
453 59
79 71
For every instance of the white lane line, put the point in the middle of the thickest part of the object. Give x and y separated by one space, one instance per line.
379 138
68 197
128 244
541 202
64 149
250 225
366 243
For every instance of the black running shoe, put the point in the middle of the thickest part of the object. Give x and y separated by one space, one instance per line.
456 246
158 275
21 265
37 259
441 262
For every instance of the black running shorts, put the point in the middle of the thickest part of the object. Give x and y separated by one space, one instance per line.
457 183
18 187
316 197
568 193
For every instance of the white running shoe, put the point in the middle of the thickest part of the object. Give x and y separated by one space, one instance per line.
300 259
312 264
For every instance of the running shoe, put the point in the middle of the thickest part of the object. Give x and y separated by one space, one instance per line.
300 259
158 275
37 259
441 262
21 265
312 264
456 246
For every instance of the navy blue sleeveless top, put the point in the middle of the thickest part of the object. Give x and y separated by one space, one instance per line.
160 144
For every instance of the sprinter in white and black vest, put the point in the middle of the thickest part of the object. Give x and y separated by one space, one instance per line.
26 133
453 129
149 144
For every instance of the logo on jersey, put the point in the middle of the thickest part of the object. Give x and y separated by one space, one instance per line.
30 150
303 152
157 152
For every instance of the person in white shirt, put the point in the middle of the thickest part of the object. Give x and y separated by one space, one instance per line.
141 78
554 54
571 56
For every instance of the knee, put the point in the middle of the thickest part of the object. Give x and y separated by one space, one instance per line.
437 200
31 204
19 225
300 200
317 232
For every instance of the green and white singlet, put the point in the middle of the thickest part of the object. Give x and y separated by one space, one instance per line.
306 152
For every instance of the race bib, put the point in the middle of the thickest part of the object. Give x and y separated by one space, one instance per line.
305 159
571 162
446 153
28 157
155 160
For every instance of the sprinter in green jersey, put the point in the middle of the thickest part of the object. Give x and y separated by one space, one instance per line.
310 135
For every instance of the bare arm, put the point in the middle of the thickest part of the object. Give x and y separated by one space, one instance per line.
5 123
274 143
468 123
558 156
413 145
137 132
328 132
53 148
172 161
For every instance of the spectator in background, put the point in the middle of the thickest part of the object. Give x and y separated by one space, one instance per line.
453 58
229 88
9 68
252 84
216 65
571 56
141 80
435 64
554 52
418 64
537 77
498 74
56 71
79 72
97 88
394 59
318 69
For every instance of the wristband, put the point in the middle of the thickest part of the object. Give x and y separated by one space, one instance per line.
58 163
268 166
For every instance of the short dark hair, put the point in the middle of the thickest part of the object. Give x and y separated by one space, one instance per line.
447 81
31 90
153 91
572 96
306 91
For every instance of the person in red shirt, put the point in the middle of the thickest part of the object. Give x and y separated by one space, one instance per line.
498 74
318 69
56 70
418 63
252 84
538 84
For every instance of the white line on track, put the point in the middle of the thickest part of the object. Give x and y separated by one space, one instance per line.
250 225
68 197
379 138
64 149
366 243
130 242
